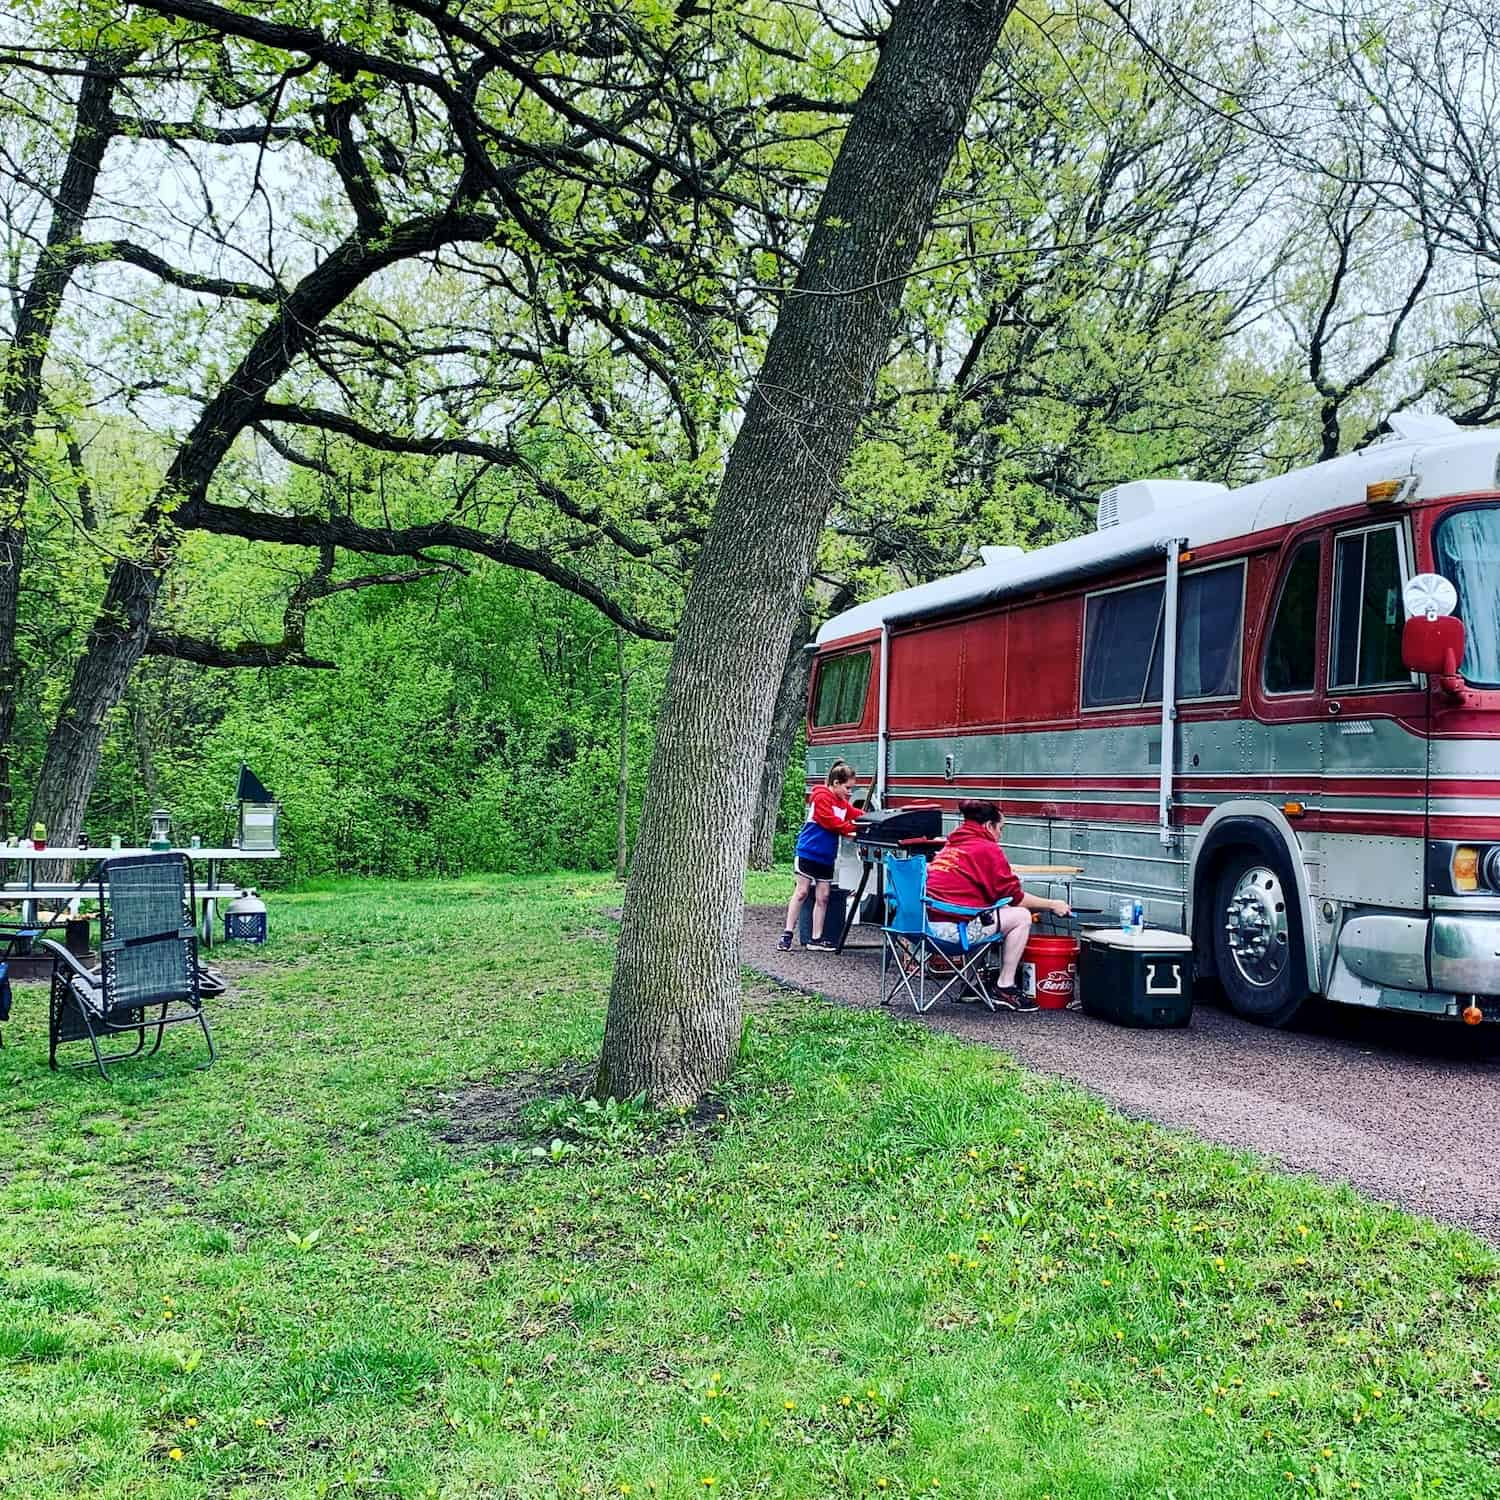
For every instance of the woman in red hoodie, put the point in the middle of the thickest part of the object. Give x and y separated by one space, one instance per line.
971 870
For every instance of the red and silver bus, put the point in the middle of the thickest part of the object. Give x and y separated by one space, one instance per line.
1206 704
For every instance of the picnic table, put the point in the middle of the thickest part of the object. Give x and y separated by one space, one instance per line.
30 890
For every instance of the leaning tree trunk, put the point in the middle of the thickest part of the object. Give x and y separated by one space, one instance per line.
622 777
12 546
122 628
22 366
791 702
674 1008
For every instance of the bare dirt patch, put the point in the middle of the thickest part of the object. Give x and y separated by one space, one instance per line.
495 1116
480 1115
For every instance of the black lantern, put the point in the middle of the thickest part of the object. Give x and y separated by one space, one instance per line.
259 814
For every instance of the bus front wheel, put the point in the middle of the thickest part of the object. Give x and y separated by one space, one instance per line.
1258 940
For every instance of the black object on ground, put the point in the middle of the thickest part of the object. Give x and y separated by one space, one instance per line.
833 918
1136 979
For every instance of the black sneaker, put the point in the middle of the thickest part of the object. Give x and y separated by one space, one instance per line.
822 945
784 942
1009 997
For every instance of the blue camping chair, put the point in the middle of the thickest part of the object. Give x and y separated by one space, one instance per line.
909 944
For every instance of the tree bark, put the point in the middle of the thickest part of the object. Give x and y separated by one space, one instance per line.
673 1024
22 364
122 628
791 704
622 778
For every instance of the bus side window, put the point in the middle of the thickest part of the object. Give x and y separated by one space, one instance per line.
840 695
1292 644
1367 611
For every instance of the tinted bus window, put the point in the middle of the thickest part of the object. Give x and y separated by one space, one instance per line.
1124 625
1367 613
842 682
1209 606
1119 639
1467 548
1292 646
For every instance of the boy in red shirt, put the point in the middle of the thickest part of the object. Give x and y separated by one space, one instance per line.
971 870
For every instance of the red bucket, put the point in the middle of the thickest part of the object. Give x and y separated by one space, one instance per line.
1049 971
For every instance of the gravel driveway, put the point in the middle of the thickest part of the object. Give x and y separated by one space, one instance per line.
1406 1110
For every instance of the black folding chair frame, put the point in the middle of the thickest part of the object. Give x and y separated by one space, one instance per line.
89 1005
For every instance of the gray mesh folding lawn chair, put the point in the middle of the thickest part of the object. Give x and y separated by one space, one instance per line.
148 977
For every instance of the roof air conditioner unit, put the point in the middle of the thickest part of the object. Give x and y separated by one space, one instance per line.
992 557
1144 497
1411 426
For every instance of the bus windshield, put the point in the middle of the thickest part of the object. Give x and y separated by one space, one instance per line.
1466 550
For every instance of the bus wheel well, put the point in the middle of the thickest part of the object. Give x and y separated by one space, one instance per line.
1205 882
1229 841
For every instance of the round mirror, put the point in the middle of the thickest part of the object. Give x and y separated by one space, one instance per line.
1429 594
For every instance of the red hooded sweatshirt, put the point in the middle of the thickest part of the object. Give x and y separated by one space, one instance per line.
971 870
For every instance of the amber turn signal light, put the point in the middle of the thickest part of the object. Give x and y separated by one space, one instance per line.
1293 809
1465 868
1472 1014
1382 491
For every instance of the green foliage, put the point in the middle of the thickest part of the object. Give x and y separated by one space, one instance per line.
472 725
885 1261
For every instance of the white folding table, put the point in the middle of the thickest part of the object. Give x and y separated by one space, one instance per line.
30 890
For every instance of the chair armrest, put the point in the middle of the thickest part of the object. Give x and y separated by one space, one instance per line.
967 911
70 959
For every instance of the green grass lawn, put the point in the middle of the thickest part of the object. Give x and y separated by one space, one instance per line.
895 1266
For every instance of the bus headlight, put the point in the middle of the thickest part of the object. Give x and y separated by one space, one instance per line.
1464 868
1455 869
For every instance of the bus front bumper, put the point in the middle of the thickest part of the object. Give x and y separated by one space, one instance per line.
1465 953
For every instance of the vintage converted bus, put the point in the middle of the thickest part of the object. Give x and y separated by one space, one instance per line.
1205 704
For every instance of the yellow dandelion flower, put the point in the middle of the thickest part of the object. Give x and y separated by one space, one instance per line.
882 1484
260 1421
191 1422
1328 1453
789 1405
709 1481
175 1454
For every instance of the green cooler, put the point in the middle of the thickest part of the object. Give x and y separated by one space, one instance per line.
1136 978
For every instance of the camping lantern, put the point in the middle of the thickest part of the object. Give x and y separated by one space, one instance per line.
161 829
259 814
245 919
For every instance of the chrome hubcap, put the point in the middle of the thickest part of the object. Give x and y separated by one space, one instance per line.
1255 921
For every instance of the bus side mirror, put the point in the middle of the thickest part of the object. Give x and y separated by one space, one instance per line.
1435 645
